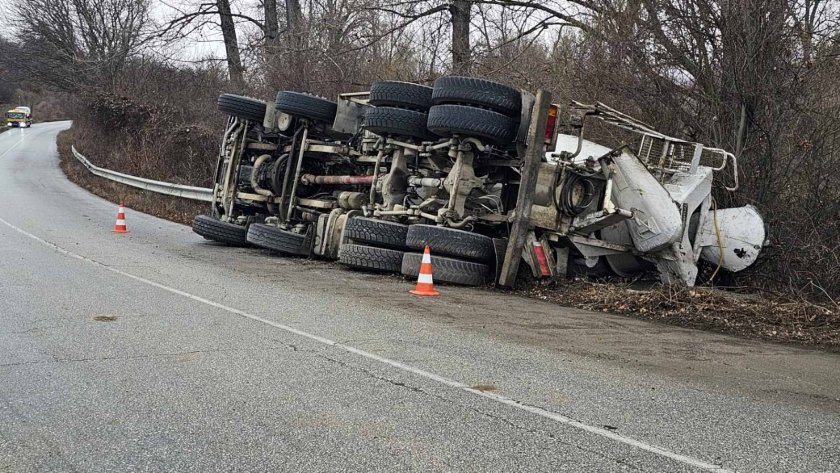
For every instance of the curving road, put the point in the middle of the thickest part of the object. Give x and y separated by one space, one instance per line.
157 350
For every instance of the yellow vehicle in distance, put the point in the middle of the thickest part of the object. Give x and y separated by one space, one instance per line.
20 117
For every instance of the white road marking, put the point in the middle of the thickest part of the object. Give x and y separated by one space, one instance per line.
694 462
13 146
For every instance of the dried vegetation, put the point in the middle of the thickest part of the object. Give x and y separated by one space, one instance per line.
763 315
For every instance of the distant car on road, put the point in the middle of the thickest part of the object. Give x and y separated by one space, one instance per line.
19 117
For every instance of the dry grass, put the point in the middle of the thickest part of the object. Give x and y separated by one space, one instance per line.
764 316
170 208
147 140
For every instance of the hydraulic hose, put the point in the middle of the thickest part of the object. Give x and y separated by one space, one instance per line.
565 203
255 175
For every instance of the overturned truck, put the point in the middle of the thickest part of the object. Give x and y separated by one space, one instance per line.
485 174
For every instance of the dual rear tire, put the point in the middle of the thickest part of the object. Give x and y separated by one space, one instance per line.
463 106
459 257
400 110
375 245
468 106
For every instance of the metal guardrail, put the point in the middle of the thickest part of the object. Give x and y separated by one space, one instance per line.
177 190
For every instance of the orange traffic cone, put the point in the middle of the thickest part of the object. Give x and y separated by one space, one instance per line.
425 284
120 227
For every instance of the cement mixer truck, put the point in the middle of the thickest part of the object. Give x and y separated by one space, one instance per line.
487 175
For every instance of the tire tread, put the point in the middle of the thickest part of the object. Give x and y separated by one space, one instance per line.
371 257
448 120
277 239
477 92
306 105
450 270
242 107
451 242
222 232
377 232
398 122
389 93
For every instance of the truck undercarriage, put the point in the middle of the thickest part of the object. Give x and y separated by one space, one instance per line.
373 178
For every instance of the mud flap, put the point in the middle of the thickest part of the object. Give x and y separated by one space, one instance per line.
538 256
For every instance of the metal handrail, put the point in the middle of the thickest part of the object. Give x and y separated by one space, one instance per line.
178 190
726 157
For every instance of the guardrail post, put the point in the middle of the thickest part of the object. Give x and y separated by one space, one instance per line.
527 184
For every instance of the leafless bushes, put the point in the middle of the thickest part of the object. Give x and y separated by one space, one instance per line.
163 125
73 43
178 210
148 145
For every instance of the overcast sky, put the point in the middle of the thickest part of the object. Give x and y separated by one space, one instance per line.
206 41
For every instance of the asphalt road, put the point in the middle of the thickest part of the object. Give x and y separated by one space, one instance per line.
157 350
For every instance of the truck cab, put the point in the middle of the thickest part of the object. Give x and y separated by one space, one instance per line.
19 117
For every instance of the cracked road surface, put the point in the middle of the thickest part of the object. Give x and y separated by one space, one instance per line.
157 350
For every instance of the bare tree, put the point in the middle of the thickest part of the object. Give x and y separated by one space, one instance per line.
191 19
460 11
80 42
271 25
296 39
541 15
231 43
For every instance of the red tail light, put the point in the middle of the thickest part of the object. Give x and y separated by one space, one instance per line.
551 123
542 261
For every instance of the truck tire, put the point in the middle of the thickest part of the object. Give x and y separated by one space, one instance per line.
451 242
377 232
451 270
477 92
242 107
577 267
448 120
371 257
391 93
307 106
214 229
277 239
397 122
